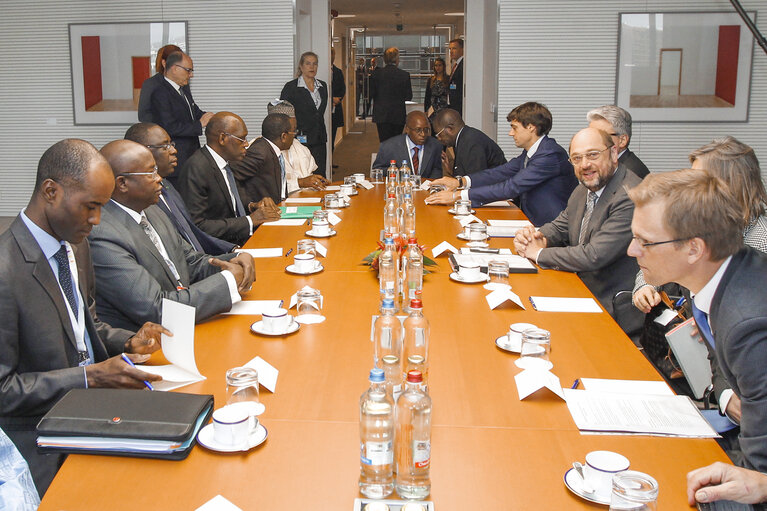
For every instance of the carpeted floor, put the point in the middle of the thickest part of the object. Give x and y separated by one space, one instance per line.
352 154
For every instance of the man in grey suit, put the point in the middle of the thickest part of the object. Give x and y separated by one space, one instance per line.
688 229
422 151
51 340
616 122
591 235
140 258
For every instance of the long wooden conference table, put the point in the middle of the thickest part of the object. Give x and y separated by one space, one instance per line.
489 449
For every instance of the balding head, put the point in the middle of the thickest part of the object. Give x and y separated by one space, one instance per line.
137 184
447 124
124 155
417 127
227 134
594 157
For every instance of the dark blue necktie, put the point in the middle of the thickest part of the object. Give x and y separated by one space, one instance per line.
65 278
179 220
701 318
233 188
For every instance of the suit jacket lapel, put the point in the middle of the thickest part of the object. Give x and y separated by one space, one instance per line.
577 218
600 209
219 179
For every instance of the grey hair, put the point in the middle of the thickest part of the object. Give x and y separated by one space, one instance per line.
615 115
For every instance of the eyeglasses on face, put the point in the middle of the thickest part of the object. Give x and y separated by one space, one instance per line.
576 159
242 140
189 70
421 131
154 173
162 146
443 129
647 244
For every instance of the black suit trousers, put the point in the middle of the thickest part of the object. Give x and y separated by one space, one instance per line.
386 130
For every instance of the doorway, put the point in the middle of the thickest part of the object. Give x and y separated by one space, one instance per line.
670 72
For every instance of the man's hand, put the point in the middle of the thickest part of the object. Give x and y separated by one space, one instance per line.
147 339
116 372
260 216
205 118
266 204
314 181
443 197
646 298
448 160
528 242
721 481
248 269
733 408
234 269
448 182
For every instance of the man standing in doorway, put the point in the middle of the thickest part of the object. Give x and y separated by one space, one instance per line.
455 84
390 88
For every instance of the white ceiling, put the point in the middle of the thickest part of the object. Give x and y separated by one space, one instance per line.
380 16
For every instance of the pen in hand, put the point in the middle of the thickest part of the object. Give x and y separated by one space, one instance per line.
130 363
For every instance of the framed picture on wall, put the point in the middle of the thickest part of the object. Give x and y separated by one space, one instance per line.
684 66
109 63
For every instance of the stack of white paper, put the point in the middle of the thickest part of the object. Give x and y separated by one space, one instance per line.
554 304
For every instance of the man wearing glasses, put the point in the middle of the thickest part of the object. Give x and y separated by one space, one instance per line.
174 109
422 151
591 235
140 258
471 151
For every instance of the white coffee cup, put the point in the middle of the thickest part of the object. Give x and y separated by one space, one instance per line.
276 320
469 271
514 334
347 189
304 262
600 468
320 228
359 178
233 424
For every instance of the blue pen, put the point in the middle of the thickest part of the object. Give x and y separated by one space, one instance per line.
576 383
679 302
130 363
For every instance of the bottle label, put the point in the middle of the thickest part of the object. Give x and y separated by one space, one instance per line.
386 338
411 293
420 337
396 390
376 453
421 453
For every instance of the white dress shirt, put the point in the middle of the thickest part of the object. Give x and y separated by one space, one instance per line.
315 93
221 164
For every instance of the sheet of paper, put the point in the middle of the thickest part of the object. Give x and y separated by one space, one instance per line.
286 222
554 304
218 503
333 218
639 414
320 248
658 388
333 188
302 200
499 296
665 317
498 204
179 349
519 224
442 247
501 251
291 209
532 380
267 374
367 185
425 184
262 252
467 219
254 307
517 263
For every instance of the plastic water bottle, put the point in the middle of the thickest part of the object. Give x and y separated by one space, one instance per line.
413 440
393 373
388 272
408 217
401 217
391 227
405 173
412 273
387 334
416 341
392 173
376 439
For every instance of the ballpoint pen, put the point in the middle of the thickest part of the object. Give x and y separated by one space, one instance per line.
576 383
130 363
288 252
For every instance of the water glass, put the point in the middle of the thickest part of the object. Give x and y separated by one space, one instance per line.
332 201
350 180
307 246
634 490
498 272
462 207
477 232
242 390
376 176
309 302
536 344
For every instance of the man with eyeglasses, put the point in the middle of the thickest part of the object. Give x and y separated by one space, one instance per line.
591 235
471 151
617 123
174 109
422 151
688 228
140 258
210 190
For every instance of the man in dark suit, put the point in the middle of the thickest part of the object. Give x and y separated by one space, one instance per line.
174 109
164 151
469 150
416 145
390 88
261 173
617 123
455 83
50 338
140 258
338 88
209 189
360 76
539 181
688 229
591 235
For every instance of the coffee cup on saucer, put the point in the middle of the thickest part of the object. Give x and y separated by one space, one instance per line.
347 189
276 320
469 271
600 468
305 263
358 178
320 227
232 425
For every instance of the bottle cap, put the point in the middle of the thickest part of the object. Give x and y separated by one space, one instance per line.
414 376
389 239
416 303
412 241
388 303
376 375
393 161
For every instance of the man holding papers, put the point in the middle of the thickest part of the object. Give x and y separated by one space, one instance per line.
140 258
688 229
50 338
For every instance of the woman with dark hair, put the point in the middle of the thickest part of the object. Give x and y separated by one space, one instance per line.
436 89
151 83
309 97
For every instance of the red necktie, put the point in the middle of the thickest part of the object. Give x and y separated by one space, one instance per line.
415 159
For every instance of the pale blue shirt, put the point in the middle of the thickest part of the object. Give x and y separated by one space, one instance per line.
315 93
410 146
17 489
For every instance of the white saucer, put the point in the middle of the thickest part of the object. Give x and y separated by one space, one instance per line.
506 345
533 363
574 483
462 236
493 286
207 439
457 277
310 233
310 319
258 328
477 244
452 212
291 268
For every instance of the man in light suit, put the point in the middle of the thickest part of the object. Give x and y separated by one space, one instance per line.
591 235
539 181
688 229
468 149
422 151
390 88
455 83
51 340
174 109
164 151
140 258
209 189
617 123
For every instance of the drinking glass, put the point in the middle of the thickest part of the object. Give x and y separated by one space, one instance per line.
309 303
307 246
634 490
536 347
498 272
242 390
462 207
376 176
477 232
331 201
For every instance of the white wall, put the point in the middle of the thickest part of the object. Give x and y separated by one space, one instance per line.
242 51
481 64
563 54
117 73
